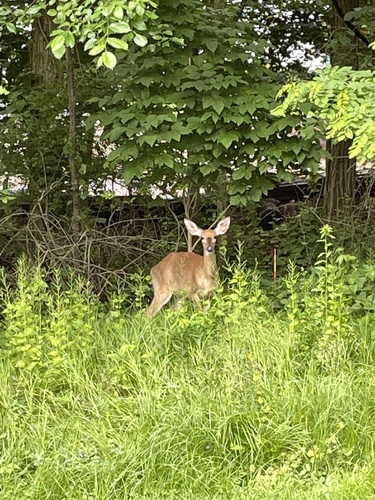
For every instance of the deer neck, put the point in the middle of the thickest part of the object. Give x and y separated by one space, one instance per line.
209 264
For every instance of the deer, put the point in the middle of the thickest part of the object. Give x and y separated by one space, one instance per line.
186 272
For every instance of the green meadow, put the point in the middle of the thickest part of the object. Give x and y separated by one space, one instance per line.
247 401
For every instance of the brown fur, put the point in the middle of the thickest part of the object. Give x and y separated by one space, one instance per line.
186 272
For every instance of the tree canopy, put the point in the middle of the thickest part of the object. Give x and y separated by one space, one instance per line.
165 96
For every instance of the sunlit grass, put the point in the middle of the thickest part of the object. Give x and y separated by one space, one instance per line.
100 402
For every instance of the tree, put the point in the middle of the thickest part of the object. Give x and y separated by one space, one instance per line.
200 111
41 125
342 99
339 186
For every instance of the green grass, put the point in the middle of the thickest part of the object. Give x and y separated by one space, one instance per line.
100 402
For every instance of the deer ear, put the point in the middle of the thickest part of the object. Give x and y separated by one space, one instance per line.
223 226
193 228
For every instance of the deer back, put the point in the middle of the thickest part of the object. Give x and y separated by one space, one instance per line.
183 272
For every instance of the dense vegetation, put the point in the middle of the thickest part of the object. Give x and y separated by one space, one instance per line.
195 109
183 102
243 402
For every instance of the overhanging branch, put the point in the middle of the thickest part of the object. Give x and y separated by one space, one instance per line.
349 24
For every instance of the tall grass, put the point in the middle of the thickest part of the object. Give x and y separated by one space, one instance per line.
99 402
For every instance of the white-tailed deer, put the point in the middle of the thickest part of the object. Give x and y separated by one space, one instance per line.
186 272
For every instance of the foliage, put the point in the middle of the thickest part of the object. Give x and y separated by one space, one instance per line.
342 98
201 112
192 108
34 149
321 304
39 326
186 405
362 18
296 31
96 24
258 245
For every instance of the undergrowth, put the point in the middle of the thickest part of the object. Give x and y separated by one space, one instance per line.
246 401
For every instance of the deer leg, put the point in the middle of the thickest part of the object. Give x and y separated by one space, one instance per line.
208 299
178 301
158 302
197 301
208 305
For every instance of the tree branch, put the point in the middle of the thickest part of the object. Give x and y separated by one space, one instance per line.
349 24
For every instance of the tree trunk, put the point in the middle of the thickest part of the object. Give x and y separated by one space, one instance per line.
44 72
73 164
339 187
42 61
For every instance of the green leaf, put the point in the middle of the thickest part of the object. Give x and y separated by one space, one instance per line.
97 49
140 40
140 25
90 44
206 102
262 131
69 39
254 136
108 59
227 139
263 166
181 129
152 120
58 53
238 174
176 136
301 157
218 106
212 45
5 11
296 147
118 12
116 153
146 81
167 160
207 169
20 105
255 195
130 172
35 9
116 132
10 27
120 27
305 107
57 42
118 43
150 139
287 121
106 10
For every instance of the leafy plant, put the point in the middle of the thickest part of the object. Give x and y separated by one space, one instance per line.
99 26
199 112
341 99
